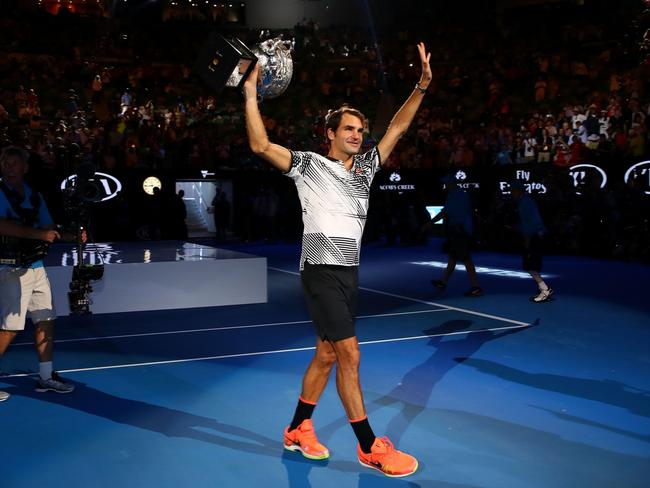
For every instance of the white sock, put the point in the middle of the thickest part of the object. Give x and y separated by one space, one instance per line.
45 370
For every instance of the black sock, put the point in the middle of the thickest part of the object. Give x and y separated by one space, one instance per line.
364 433
303 411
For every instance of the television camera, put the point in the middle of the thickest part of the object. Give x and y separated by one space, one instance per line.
78 197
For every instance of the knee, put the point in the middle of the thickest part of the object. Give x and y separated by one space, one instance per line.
326 359
350 357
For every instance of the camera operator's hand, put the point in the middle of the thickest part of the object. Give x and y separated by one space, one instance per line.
48 235
15 229
67 235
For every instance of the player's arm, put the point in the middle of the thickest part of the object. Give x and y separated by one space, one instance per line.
402 119
277 155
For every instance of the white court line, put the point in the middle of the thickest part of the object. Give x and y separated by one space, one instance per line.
230 327
261 353
518 325
425 302
443 308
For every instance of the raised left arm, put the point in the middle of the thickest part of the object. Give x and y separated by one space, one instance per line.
402 119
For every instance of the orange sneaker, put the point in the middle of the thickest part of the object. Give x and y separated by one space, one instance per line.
385 458
303 438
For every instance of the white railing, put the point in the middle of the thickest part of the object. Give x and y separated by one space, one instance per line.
202 206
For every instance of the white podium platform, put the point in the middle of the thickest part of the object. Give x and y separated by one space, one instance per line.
160 275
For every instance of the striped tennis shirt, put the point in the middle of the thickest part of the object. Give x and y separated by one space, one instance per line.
334 205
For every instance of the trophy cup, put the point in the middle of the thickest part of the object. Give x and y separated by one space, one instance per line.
228 62
276 66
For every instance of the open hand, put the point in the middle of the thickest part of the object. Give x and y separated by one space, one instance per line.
425 77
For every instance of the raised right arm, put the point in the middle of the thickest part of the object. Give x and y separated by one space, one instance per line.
277 155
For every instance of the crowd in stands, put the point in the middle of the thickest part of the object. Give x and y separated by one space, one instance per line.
557 91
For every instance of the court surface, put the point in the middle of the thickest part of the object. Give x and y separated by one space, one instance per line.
486 392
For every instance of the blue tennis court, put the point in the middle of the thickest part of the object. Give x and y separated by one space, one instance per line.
486 392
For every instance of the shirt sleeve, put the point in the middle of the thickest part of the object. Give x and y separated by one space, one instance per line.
372 158
300 161
371 162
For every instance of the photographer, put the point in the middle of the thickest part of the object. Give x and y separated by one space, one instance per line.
26 229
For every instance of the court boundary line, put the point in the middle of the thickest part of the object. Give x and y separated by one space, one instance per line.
262 353
216 329
425 302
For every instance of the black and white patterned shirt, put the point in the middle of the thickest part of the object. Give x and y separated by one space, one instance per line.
334 205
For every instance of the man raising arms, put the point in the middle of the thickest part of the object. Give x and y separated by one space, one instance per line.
334 191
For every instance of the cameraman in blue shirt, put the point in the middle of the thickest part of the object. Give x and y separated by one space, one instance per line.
26 229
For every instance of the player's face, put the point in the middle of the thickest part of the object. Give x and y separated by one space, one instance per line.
348 136
13 169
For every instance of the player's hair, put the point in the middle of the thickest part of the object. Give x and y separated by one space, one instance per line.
333 117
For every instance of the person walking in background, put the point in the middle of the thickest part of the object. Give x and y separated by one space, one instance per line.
459 226
532 231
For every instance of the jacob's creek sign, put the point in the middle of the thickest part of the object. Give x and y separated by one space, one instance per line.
395 183
464 180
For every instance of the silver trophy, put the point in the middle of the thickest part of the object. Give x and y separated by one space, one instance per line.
276 68
228 62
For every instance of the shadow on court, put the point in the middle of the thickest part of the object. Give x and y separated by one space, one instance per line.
167 421
415 388
176 423
610 392
599 425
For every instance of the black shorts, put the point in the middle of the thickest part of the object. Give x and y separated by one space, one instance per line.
459 244
532 255
331 293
